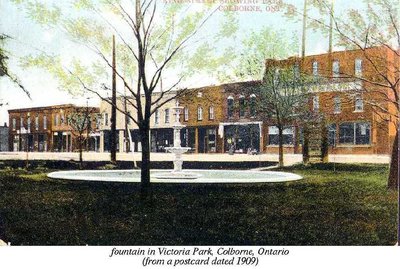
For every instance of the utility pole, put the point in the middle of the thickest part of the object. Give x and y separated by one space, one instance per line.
113 140
306 134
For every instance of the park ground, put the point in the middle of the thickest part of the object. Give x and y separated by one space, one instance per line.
335 204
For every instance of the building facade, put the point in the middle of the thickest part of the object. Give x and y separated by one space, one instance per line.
343 98
47 129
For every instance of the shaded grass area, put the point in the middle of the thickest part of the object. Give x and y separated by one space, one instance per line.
348 206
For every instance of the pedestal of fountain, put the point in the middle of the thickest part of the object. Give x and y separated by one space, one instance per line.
177 150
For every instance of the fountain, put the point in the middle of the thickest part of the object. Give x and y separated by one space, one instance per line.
177 150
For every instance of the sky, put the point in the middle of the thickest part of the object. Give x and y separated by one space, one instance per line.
30 38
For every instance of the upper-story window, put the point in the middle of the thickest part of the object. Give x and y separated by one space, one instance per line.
358 104
45 122
157 117
230 106
186 113
166 116
199 113
199 94
316 103
315 68
14 124
56 120
105 119
98 121
358 68
21 123
211 113
241 106
37 123
335 68
337 105
253 110
128 117
29 124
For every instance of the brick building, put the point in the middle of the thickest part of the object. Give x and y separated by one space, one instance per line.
227 118
344 90
47 129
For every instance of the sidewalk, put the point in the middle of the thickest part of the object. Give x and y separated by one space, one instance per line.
289 159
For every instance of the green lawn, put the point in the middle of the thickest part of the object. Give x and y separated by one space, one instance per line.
348 207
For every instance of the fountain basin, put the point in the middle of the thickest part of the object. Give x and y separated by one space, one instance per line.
205 176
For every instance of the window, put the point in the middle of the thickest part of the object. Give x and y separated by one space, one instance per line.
14 124
128 118
230 107
316 103
56 120
37 123
241 106
355 133
253 110
337 105
105 119
166 116
98 121
199 94
332 134
358 67
186 114
211 113
29 124
21 125
157 117
358 104
335 68
273 135
45 122
199 113
315 68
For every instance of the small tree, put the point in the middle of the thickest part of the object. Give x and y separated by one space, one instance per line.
80 123
284 97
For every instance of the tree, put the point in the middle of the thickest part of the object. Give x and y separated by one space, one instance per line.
284 97
80 122
4 68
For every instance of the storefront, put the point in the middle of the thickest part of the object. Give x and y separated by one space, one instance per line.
241 137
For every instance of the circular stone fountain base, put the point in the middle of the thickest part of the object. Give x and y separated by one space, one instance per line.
177 175
205 176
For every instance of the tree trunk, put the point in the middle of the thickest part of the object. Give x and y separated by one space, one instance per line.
280 147
324 143
145 167
306 146
80 154
394 165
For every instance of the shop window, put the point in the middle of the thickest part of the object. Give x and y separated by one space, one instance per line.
273 135
355 133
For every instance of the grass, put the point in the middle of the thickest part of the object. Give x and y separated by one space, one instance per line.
350 206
